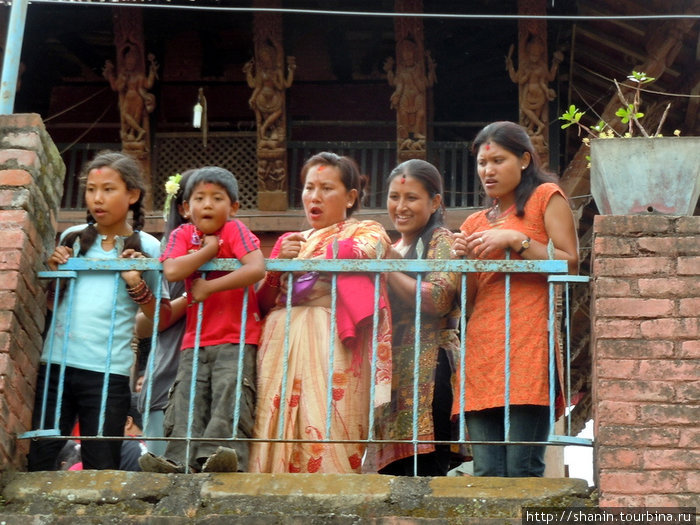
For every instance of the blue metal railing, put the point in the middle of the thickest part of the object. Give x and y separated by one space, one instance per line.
556 270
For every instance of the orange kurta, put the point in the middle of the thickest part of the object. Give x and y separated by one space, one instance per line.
529 310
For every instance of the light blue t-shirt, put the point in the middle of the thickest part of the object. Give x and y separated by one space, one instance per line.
91 316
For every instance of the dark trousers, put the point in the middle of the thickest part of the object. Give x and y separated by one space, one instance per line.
435 463
82 395
527 423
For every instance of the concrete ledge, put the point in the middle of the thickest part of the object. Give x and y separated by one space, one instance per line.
135 497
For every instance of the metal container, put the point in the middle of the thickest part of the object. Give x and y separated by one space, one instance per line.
639 175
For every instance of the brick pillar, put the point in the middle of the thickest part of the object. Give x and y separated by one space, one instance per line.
31 184
646 359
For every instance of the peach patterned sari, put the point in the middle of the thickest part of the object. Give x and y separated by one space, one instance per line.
305 403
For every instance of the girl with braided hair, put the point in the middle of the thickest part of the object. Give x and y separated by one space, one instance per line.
113 187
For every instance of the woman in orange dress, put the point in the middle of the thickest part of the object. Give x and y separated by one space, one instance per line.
527 210
332 192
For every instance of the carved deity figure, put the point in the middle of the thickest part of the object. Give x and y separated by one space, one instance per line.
268 82
409 97
135 102
533 78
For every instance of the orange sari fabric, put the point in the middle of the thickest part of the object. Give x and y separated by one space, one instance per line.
306 380
529 337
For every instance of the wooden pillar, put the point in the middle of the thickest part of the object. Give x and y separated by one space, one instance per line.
412 77
268 79
533 75
132 82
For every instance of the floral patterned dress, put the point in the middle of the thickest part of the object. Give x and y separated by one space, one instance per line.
439 320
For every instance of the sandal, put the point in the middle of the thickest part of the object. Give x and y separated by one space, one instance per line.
151 463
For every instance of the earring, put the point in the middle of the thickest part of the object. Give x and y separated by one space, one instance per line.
523 167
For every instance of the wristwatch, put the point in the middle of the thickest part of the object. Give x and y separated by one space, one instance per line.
524 245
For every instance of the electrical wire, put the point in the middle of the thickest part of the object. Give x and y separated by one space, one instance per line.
47 119
326 12
69 146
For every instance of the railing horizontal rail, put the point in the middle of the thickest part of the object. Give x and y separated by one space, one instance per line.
328 265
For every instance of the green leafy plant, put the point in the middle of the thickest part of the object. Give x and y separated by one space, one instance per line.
629 113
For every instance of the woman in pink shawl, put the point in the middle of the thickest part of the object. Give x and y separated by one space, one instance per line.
332 192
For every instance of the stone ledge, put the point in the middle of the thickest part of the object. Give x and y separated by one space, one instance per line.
135 497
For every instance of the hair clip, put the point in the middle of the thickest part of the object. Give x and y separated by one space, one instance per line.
172 186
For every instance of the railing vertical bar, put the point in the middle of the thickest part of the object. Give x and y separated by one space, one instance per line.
567 321
64 357
552 358
331 349
375 332
108 359
506 395
52 328
193 382
285 360
462 355
416 359
241 361
151 355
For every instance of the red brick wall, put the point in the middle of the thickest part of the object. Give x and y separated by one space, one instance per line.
646 359
31 179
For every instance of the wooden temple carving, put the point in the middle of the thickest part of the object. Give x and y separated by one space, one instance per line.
533 76
132 82
268 78
411 75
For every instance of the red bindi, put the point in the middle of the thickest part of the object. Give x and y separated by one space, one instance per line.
487 147
403 179
321 167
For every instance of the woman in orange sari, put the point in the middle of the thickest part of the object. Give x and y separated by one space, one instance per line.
528 209
332 192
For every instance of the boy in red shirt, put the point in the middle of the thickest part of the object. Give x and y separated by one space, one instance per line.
211 201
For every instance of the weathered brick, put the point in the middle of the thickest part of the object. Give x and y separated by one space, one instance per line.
643 482
688 225
689 307
613 287
9 280
687 391
603 245
20 158
636 390
689 438
633 349
631 266
13 239
671 500
623 435
617 368
619 458
15 178
672 329
616 329
632 225
10 259
689 266
658 245
669 287
633 307
25 140
607 499
616 413
671 459
658 414
690 350
667 369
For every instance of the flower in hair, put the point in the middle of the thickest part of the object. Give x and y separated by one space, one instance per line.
172 186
